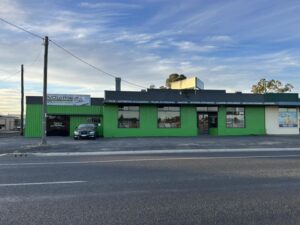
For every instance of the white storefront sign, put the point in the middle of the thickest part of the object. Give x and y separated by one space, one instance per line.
66 99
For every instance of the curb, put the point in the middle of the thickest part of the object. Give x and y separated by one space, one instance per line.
150 152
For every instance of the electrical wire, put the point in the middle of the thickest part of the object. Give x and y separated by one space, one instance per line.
71 54
8 76
38 56
21 28
91 65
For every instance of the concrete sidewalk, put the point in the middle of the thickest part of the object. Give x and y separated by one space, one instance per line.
67 144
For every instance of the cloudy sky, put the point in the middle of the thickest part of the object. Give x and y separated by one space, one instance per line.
227 44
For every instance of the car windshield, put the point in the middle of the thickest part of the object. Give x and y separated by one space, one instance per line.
81 126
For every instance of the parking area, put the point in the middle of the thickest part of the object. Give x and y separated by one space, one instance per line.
9 144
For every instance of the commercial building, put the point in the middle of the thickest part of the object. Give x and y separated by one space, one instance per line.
167 112
9 123
65 113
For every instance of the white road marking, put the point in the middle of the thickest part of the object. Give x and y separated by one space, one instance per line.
43 183
149 159
3 155
141 152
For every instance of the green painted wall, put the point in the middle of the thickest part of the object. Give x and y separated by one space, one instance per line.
254 115
148 123
75 110
254 122
213 131
33 126
33 122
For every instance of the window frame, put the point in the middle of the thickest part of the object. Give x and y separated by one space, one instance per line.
207 109
244 116
139 116
157 112
287 109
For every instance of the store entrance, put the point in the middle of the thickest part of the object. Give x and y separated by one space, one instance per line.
202 123
58 125
206 120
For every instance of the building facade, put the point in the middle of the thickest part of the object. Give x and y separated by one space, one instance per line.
166 112
9 123
61 119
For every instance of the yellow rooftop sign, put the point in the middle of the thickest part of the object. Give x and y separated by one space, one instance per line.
189 83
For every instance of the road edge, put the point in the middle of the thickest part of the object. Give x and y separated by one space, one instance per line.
151 152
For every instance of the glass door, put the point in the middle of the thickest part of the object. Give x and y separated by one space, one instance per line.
203 123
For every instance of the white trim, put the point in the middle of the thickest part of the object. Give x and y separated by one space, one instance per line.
43 183
176 151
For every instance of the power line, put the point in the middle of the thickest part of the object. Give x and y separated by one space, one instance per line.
38 56
91 65
70 53
8 76
21 28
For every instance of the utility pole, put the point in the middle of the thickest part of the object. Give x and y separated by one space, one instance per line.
22 101
44 116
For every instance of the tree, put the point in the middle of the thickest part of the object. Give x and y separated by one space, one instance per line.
271 86
174 77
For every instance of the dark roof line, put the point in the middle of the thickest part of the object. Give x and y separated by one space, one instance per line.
192 97
167 96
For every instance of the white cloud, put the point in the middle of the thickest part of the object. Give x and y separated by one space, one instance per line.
12 10
132 37
118 5
144 52
219 39
190 46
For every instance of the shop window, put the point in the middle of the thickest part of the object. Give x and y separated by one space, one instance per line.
235 117
94 120
129 117
168 117
287 117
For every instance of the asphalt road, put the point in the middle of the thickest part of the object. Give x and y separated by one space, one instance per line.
208 188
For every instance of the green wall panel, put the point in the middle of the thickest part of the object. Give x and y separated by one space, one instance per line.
75 110
254 122
33 127
213 131
148 123
33 121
